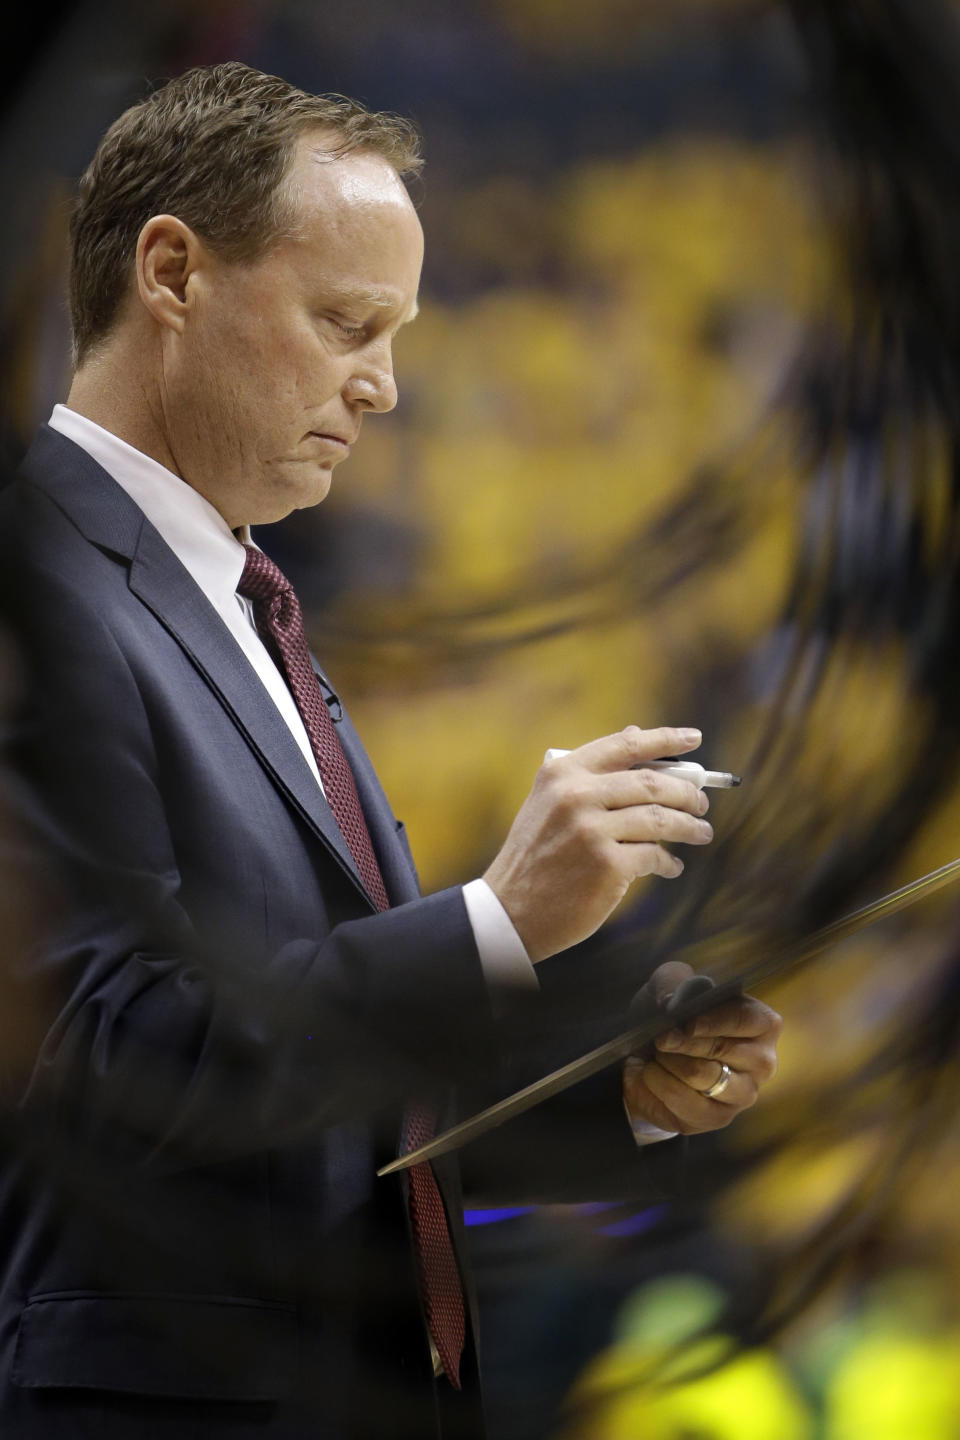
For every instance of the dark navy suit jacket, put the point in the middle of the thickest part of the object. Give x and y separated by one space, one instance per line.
193 1238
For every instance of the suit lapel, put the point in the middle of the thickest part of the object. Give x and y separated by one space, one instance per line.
103 511
160 581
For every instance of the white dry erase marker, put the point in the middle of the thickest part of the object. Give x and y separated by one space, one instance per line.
682 769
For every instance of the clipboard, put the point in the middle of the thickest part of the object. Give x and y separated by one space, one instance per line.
695 996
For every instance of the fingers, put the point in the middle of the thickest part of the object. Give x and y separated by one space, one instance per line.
646 859
742 1018
633 807
668 1089
640 811
666 979
640 1101
643 831
645 787
631 747
741 1033
590 826
757 1058
649 1005
740 1091
657 824
685 1106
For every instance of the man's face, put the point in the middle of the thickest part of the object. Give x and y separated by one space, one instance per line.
264 391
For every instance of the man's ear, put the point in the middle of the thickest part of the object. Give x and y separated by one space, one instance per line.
168 253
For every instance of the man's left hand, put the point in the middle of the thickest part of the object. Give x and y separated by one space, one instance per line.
667 1090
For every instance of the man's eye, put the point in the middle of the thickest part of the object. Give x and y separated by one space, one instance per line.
352 332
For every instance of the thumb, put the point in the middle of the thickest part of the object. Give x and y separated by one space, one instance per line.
654 994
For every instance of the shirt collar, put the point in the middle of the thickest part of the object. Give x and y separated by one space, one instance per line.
195 531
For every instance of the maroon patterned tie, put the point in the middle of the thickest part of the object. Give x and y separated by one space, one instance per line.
280 622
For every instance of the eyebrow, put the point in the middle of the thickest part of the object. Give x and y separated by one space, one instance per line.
381 299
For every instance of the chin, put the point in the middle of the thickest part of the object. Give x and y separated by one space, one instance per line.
319 489
301 493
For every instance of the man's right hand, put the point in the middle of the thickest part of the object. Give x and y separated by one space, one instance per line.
590 826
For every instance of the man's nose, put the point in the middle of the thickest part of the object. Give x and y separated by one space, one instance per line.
372 384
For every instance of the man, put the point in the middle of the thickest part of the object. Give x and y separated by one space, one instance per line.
247 1004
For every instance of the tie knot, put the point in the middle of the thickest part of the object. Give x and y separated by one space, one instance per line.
261 579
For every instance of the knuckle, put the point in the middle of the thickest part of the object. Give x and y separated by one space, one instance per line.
657 819
629 742
568 801
590 837
767 1065
550 771
651 781
548 780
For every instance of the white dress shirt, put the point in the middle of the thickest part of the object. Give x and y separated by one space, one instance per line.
214 556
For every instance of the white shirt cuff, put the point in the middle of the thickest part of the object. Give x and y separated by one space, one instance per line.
503 957
644 1133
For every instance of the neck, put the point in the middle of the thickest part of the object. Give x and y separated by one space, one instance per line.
116 395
